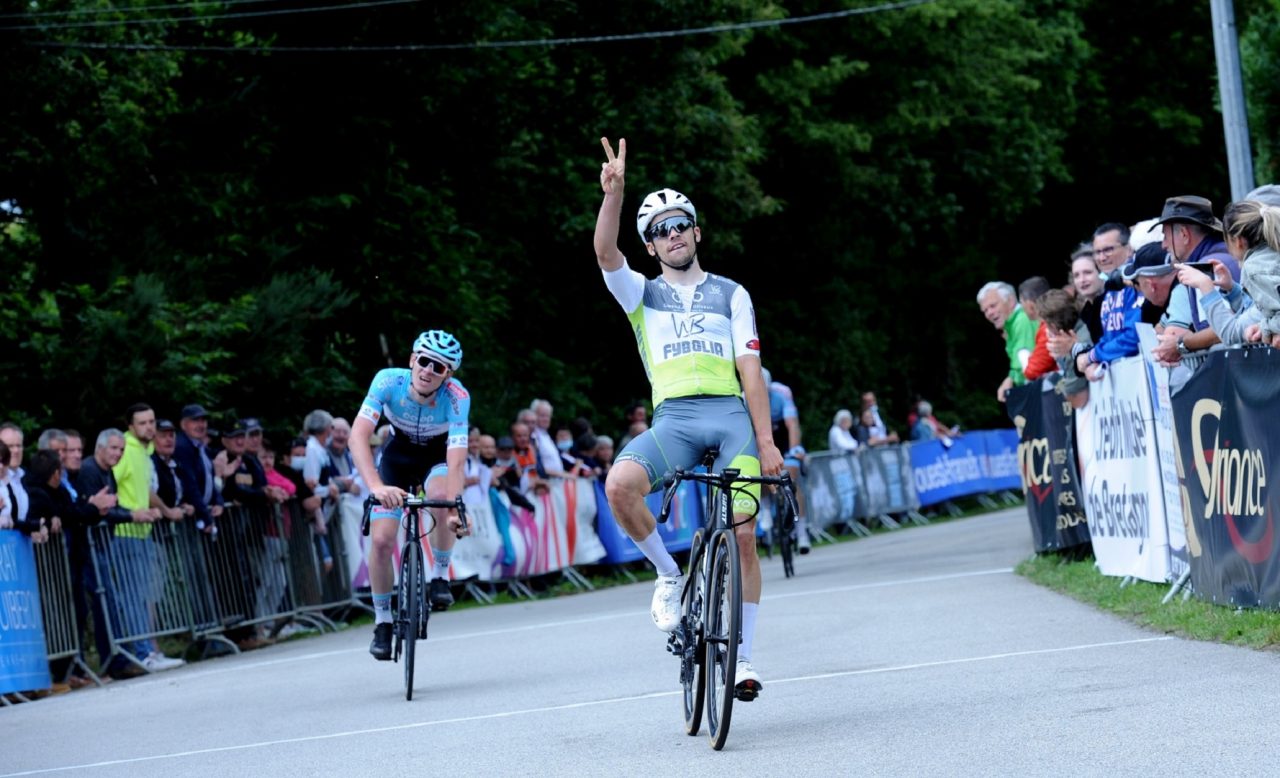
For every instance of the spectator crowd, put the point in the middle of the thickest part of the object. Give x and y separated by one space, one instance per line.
1201 281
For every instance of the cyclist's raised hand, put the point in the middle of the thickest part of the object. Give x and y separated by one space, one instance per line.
613 170
389 496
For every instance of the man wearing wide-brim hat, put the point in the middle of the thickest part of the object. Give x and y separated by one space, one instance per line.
1191 234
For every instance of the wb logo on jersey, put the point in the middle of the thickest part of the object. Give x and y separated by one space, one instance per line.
687 327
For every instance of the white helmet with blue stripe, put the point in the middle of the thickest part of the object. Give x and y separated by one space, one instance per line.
441 344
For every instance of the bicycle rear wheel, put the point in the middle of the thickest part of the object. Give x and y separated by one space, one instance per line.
723 630
692 606
411 587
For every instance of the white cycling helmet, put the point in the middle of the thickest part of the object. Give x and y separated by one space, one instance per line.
656 203
440 344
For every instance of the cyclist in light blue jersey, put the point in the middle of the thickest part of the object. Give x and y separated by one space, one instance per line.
427 409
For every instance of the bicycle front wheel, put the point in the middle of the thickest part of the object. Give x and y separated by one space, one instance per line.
723 631
412 591
785 528
692 606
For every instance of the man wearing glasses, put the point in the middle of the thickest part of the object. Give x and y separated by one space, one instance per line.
1111 250
427 409
696 333
1121 307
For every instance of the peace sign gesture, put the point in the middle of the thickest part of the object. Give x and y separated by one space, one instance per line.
613 171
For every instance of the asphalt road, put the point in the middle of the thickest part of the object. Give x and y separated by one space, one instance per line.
912 653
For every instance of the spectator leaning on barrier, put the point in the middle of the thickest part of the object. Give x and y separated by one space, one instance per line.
1155 278
1000 306
840 437
867 431
41 482
878 428
1191 233
1087 282
191 449
1041 361
173 484
927 426
543 441
1120 310
344 467
16 497
13 509
1253 237
1066 329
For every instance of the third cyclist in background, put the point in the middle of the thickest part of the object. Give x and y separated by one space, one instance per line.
785 420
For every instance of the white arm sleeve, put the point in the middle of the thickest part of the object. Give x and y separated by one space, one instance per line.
627 286
745 339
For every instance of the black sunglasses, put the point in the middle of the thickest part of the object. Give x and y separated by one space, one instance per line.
431 365
663 228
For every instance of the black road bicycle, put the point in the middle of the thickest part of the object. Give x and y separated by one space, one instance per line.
412 611
706 639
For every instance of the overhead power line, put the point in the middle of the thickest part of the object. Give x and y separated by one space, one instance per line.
133 9
210 18
478 45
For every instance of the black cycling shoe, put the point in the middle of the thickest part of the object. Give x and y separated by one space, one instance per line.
441 597
381 645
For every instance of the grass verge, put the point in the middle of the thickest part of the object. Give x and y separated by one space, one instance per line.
1139 603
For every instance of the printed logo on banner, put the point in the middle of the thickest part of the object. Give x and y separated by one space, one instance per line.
1121 430
1033 463
1234 482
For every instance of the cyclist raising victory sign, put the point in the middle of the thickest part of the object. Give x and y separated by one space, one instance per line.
427 408
697 338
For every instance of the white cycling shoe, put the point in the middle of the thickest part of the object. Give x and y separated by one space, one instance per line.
665 608
747 684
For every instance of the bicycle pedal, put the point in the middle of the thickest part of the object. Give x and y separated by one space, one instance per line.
746 691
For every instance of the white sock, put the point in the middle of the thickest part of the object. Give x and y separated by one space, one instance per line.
656 552
382 608
802 525
748 630
442 559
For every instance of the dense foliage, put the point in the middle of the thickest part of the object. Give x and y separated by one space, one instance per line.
260 231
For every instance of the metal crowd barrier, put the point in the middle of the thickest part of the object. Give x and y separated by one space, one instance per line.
142 583
263 566
57 607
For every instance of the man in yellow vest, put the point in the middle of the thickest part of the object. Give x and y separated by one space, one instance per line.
134 554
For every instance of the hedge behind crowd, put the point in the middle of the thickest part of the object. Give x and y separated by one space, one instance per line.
261 231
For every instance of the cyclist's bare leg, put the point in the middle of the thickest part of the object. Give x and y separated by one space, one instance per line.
749 559
626 486
383 534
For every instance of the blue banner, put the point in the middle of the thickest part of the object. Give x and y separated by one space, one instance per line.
976 462
1002 459
23 663
676 534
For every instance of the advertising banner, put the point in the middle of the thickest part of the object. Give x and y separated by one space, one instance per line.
832 488
23 663
1120 475
945 473
1047 464
1226 438
1162 406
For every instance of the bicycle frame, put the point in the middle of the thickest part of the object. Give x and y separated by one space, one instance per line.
706 639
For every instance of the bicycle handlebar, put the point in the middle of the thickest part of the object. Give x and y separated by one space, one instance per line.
418 502
725 480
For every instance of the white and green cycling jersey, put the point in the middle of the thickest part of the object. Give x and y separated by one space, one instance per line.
688 337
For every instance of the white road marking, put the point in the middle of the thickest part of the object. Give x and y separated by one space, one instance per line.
576 705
